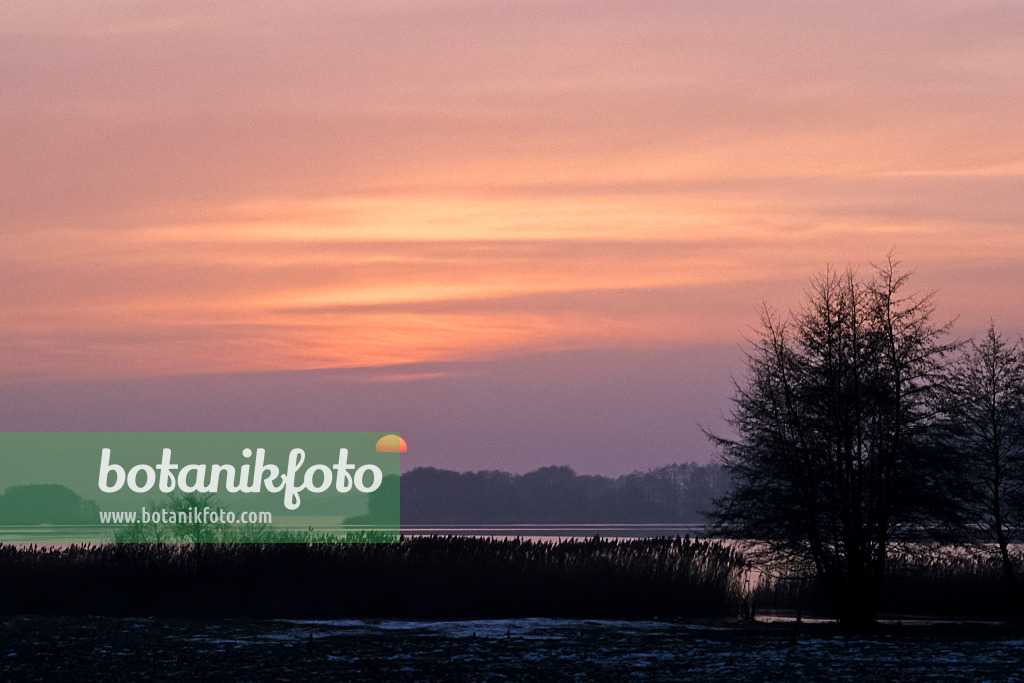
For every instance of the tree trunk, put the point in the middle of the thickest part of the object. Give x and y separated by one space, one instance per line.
1011 578
858 609
854 596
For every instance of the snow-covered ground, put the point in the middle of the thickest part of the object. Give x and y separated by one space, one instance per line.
42 648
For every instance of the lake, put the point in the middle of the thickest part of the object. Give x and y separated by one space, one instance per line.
66 534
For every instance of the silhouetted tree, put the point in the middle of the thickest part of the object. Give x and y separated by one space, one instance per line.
984 407
832 462
189 529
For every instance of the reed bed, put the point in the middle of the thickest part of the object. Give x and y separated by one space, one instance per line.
954 583
428 578
949 583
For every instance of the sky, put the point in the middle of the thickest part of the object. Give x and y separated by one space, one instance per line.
518 233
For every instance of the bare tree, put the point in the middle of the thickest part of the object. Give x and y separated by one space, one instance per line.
180 527
984 406
190 526
832 463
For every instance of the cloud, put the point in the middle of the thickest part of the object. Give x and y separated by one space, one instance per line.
261 185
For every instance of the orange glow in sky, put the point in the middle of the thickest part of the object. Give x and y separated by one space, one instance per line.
266 186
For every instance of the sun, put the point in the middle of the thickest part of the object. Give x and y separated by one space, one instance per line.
391 443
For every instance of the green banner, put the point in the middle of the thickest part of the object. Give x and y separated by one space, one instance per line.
199 487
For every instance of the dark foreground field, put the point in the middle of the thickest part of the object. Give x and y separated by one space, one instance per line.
464 609
118 648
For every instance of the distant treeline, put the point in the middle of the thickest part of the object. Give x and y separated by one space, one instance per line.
45 504
678 493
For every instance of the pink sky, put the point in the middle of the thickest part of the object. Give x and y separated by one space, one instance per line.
197 187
